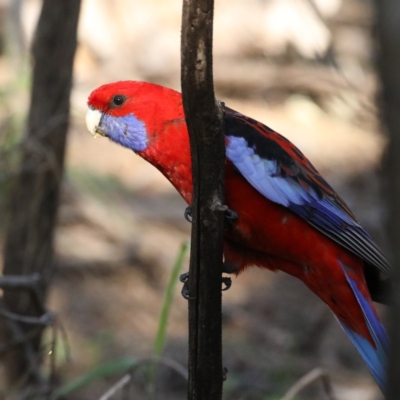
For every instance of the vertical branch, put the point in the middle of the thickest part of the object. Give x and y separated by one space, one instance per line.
29 241
204 121
388 18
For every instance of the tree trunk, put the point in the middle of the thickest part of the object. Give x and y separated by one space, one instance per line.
34 202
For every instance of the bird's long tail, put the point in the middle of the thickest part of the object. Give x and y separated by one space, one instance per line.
374 352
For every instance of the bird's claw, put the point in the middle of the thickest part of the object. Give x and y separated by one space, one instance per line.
224 373
229 267
188 216
184 278
227 282
230 215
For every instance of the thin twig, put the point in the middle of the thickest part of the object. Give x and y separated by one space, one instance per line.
126 379
18 340
44 320
24 339
17 332
31 283
307 380
17 282
116 387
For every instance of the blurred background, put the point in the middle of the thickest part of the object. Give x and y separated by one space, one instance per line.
306 68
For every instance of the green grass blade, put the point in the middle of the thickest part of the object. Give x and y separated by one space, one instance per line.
169 294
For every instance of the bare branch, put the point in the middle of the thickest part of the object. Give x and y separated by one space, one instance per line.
24 338
43 320
307 380
116 387
18 340
205 125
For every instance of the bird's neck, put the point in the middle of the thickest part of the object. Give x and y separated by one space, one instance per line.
169 149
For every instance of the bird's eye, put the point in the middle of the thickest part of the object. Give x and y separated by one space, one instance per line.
118 100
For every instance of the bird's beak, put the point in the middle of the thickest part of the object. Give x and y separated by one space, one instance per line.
93 118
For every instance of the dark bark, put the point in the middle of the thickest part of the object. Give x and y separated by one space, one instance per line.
204 120
388 23
29 242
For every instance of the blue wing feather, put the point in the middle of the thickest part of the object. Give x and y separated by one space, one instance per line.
375 355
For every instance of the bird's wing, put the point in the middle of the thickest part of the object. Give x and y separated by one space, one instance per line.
279 171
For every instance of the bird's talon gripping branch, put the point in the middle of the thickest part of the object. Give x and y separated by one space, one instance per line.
185 291
184 278
230 215
224 373
227 282
229 267
188 214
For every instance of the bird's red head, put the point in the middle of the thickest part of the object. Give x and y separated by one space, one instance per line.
131 113
128 111
121 98
147 119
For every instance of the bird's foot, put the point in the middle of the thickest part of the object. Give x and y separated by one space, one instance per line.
184 278
229 267
227 282
230 215
224 373
188 215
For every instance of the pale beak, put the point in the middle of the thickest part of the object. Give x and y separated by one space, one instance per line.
93 118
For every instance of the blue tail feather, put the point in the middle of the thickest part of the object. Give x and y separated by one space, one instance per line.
375 357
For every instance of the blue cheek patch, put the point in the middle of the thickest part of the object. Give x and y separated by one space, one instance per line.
127 131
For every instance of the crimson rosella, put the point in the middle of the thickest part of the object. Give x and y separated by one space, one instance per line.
288 217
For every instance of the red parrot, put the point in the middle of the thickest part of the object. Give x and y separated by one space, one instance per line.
288 217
